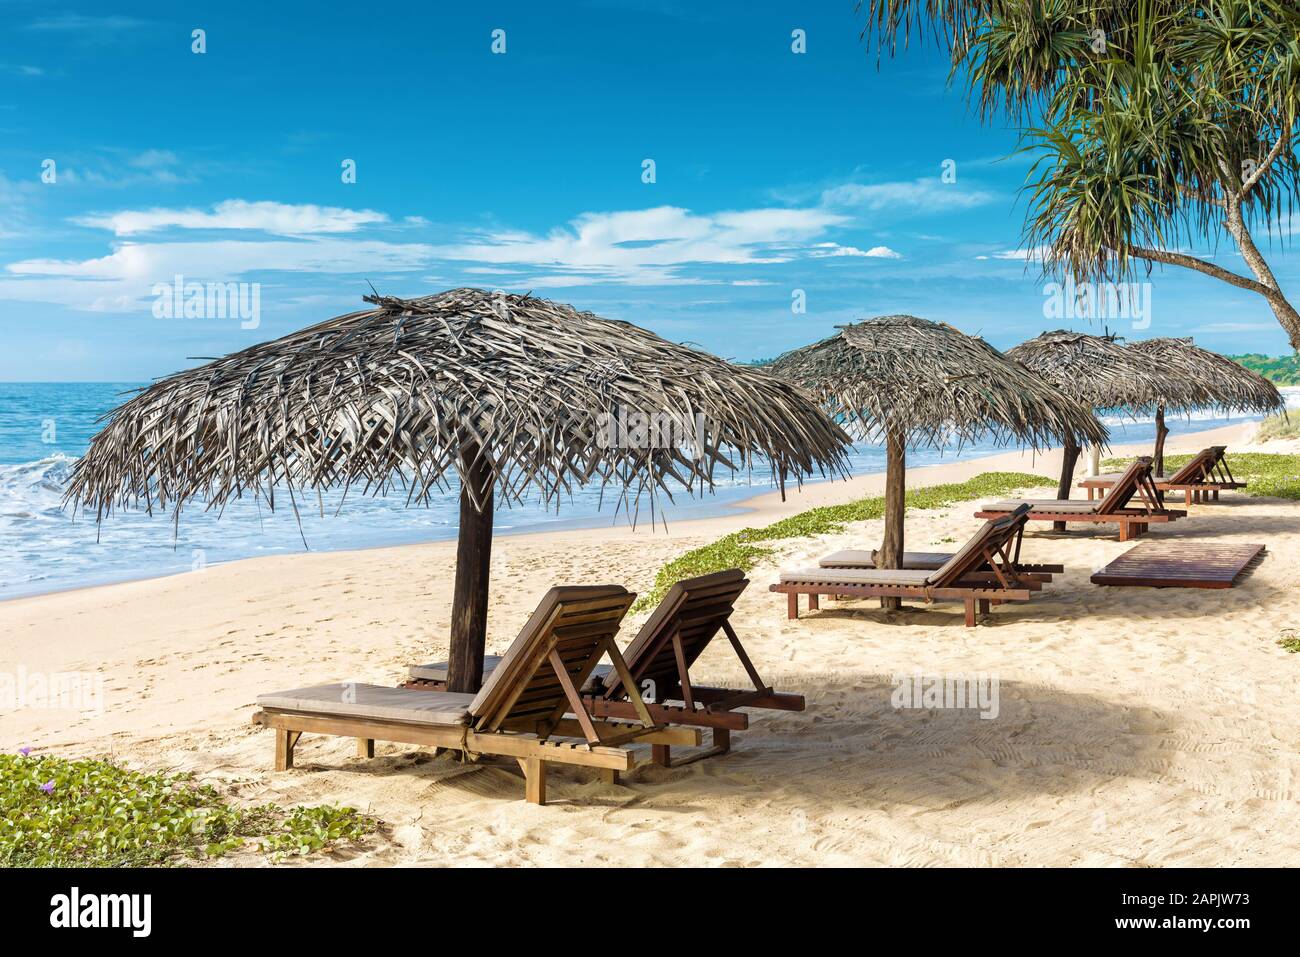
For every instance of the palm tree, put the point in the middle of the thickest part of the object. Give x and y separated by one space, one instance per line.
1158 123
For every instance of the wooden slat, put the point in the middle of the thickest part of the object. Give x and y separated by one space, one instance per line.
446 736
1180 565
901 591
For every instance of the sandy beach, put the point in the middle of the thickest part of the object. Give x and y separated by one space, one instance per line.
1137 726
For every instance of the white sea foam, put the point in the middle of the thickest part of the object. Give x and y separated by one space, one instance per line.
44 546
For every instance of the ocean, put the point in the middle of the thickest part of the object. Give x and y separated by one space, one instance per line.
44 547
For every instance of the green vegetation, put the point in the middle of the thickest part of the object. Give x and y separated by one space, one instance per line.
738 550
92 813
1151 126
1277 427
1280 370
1290 641
1269 474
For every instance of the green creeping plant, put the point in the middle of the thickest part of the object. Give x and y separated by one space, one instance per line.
56 812
738 550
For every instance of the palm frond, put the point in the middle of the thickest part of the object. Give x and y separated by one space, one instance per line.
411 392
932 384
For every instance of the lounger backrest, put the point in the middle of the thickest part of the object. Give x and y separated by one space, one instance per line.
992 536
523 689
1126 486
1217 466
1195 470
696 609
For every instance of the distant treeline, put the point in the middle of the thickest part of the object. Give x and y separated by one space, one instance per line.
1280 370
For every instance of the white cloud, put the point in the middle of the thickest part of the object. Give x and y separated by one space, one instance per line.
15 197
224 258
123 280
925 194
154 159
117 169
642 276
1210 327
80 23
280 219
647 246
1035 254
822 250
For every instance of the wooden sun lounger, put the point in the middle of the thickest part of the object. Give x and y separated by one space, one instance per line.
1218 472
1200 479
1113 509
659 659
526 709
933 561
980 574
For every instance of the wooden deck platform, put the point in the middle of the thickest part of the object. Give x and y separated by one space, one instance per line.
1180 565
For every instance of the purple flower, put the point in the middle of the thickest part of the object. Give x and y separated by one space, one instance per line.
48 787
24 751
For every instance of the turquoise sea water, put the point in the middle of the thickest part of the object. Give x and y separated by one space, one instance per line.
44 427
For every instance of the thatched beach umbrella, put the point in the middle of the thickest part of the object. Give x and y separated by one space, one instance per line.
512 395
1196 378
1095 371
911 383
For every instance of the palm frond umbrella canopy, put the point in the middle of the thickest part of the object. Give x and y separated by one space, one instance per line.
510 394
1195 378
915 383
1095 371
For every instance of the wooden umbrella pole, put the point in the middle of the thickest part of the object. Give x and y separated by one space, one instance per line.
402 397
1069 458
1158 454
891 549
473 567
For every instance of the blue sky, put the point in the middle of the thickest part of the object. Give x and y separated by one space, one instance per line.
774 172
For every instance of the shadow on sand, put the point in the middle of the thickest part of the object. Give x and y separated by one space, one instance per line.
849 747
853 746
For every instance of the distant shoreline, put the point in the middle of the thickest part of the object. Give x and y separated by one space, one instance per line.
701 513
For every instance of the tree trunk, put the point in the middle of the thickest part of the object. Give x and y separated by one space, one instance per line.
891 549
1069 458
1288 317
1158 453
1286 314
1264 283
473 566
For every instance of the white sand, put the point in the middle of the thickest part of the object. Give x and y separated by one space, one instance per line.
1137 726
